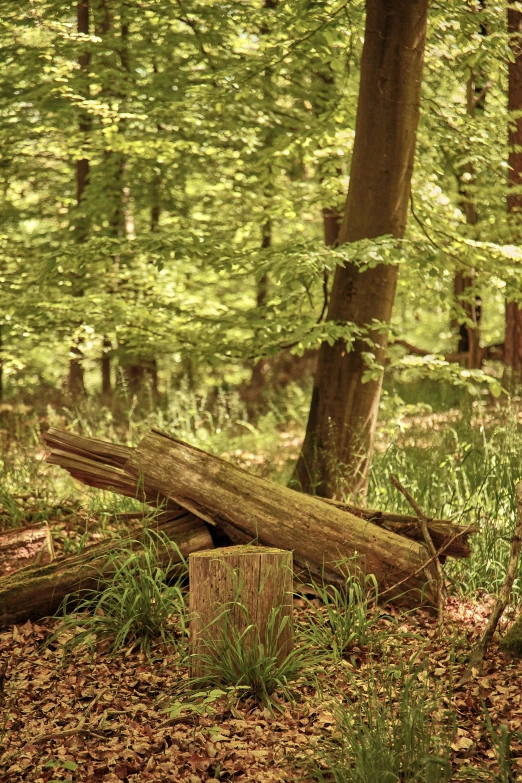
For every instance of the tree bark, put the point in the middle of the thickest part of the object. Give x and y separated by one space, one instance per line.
240 592
256 388
1 362
337 449
278 517
100 464
106 367
469 333
513 337
76 381
37 591
22 545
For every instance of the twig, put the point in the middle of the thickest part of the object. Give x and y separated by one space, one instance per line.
80 729
423 524
427 562
50 542
478 652
193 719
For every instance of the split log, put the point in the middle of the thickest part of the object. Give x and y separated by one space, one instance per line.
280 517
239 593
96 463
35 591
100 464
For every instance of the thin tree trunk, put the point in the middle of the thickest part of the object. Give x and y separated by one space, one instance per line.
137 370
106 367
469 334
339 439
255 391
76 381
331 226
513 337
258 379
1 363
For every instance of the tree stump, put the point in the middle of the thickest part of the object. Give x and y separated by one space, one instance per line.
240 591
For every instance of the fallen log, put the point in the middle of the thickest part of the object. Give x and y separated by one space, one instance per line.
23 545
450 538
320 535
36 591
97 463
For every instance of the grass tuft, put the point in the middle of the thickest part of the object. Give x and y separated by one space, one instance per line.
342 620
254 667
135 606
393 732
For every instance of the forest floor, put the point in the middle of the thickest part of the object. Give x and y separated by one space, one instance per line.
106 718
132 717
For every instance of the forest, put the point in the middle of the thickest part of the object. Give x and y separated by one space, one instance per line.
260 391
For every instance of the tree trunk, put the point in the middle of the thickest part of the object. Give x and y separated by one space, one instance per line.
256 388
331 226
37 591
106 367
279 517
469 334
513 337
1 362
336 453
239 593
76 381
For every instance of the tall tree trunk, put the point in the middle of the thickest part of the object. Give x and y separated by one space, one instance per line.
339 439
1 363
140 369
256 388
258 379
106 367
513 336
76 381
469 334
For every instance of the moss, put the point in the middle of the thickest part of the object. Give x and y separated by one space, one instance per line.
512 641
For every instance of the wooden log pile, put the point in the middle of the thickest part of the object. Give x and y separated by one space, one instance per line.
202 497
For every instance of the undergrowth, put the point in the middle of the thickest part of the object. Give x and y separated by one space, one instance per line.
463 468
395 731
135 606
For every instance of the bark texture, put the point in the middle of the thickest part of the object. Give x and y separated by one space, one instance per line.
513 337
97 463
240 592
37 591
76 381
253 508
339 437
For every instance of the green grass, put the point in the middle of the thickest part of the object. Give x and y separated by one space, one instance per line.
339 619
238 658
136 606
394 732
464 468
